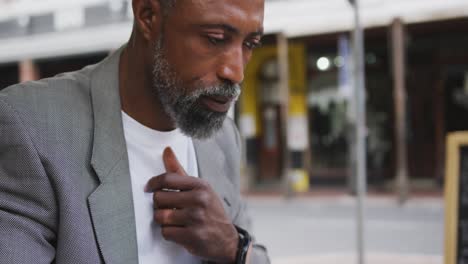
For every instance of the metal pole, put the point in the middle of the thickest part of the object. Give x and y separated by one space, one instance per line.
283 63
360 104
398 46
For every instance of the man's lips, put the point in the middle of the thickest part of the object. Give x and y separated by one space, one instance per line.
217 103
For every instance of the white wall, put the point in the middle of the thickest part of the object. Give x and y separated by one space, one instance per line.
19 8
308 17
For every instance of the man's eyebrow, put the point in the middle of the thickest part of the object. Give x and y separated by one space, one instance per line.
225 27
258 33
230 29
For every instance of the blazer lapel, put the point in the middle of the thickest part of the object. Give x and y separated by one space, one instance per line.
111 204
212 168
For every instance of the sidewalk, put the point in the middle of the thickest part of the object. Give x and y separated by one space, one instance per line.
321 229
373 258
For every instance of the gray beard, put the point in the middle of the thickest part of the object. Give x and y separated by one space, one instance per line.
182 104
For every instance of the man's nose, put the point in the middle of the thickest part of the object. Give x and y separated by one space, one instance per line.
232 66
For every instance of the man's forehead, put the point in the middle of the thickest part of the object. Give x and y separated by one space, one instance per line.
245 12
250 6
210 2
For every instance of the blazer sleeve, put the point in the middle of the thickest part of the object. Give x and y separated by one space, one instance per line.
27 203
259 254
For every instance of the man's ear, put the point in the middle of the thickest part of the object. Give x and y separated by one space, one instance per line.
148 18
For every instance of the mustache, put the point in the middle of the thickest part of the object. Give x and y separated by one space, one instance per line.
224 89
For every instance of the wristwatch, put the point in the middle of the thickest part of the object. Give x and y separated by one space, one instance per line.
243 246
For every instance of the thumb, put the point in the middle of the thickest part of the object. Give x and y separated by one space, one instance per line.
171 163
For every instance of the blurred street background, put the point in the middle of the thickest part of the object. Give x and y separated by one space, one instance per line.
297 114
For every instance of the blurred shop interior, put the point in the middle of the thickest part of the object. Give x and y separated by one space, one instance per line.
314 127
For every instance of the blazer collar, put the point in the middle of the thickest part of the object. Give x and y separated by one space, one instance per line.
109 144
111 204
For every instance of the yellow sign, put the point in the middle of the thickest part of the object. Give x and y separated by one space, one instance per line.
299 180
453 183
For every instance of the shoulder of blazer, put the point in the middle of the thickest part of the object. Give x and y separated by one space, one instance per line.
36 101
69 87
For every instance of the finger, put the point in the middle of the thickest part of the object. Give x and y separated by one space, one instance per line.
171 217
171 163
172 181
170 200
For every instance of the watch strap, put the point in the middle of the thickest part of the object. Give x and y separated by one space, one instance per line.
243 246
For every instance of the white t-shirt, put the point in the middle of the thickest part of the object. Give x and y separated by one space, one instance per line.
145 147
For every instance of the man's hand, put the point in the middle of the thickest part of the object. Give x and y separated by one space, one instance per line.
191 214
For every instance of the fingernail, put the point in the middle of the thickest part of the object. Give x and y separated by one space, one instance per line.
147 189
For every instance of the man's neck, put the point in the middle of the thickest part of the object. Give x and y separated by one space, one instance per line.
137 98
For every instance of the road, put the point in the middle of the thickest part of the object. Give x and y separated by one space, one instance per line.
322 230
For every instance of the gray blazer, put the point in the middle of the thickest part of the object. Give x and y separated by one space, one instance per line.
65 191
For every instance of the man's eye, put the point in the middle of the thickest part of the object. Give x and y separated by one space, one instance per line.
215 40
253 44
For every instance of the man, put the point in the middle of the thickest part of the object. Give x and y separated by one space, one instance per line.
131 160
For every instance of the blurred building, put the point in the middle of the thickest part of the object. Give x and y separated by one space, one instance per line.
42 38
